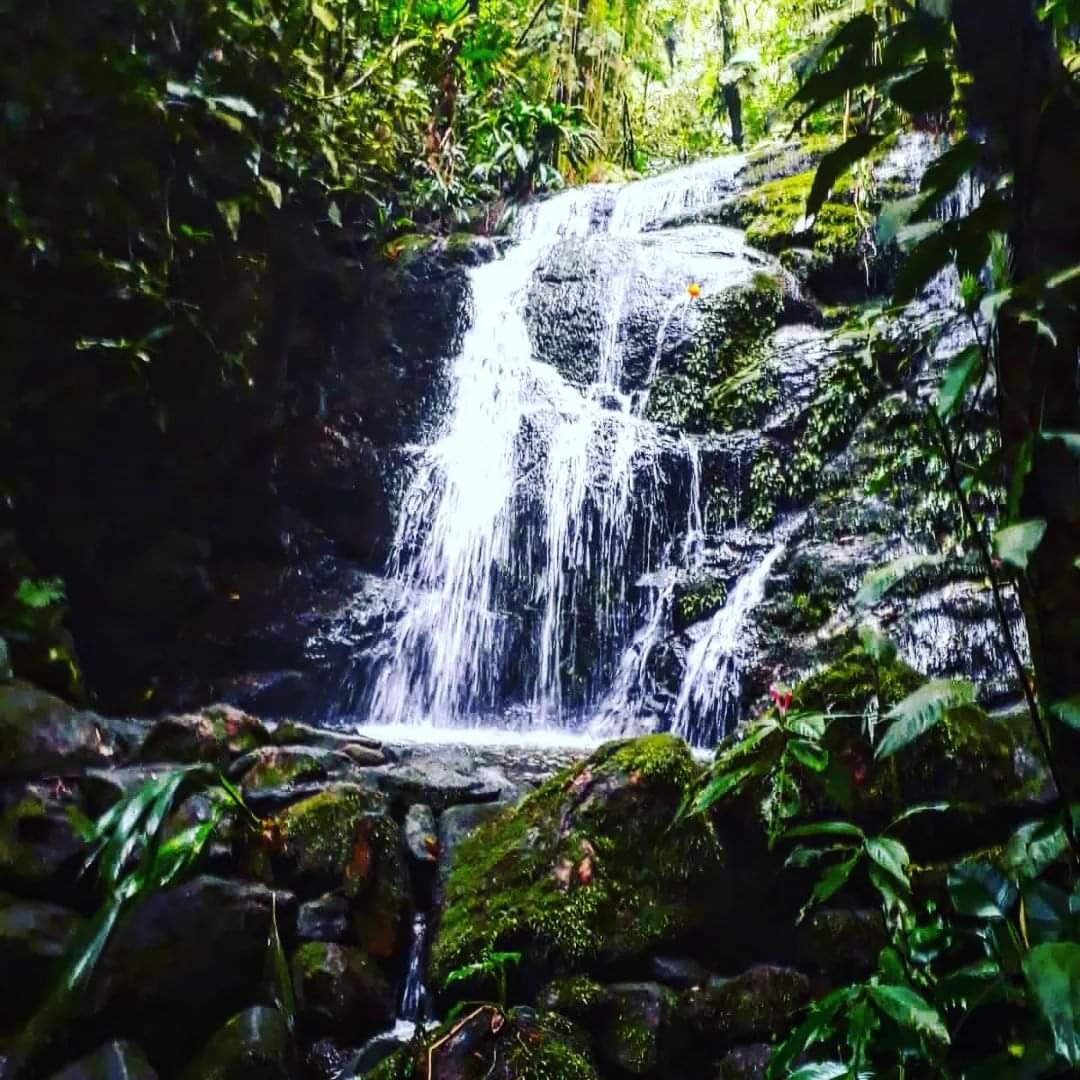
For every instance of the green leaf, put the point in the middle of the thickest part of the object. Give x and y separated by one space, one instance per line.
825 828
962 372
877 645
895 216
727 782
805 856
911 1011
1021 468
817 1027
951 167
814 756
1015 544
929 89
236 105
980 891
273 189
920 711
229 209
915 811
993 302
42 593
834 164
930 256
822 1070
973 981
324 16
879 582
282 977
1068 712
831 882
1053 974
891 856
1034 847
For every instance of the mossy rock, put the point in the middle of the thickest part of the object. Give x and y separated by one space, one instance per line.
272 767
725 382
490 1044
756 1004
340 990
588 868
343 839
215 735
253 1045
633 1039
41 847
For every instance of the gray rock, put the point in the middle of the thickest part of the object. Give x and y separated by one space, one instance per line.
7 673
204 940
376 1050
275 767
325 919
329 1059
253 1045
421 837
216 735
41 735
431 782
679 972
33 937
340 990
633 1038
294 733
366 755
113 1061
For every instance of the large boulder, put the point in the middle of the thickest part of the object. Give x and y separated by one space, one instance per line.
594 867
42 735
216 735
253 1045
202 942
340 990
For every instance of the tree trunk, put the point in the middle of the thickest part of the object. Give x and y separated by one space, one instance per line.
731 97
1021 95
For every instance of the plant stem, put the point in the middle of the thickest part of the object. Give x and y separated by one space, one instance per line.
1006 630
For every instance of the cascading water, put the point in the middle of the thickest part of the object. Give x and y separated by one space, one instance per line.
413 1008
710 690
542 504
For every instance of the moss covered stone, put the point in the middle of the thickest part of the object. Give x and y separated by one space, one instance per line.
576 996
759 1003
253 1045
217 735
726 381
340 990
632 1038
589 867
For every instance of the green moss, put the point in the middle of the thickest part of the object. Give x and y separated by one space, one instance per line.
698 599
575 996
726 381
588 866
767 482
849 684
556 1052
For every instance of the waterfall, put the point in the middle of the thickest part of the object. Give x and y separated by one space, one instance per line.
711 686
413 1006
541 505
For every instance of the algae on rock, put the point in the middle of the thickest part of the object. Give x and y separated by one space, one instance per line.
588 868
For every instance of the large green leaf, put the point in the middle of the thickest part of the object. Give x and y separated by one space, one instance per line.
834 164
826 828
951 167
1015 544
324 15
928 89
1048 913
821 1070
920 711
891 856
810 754
1053 974
981 891
817 1027
911 1011
879 582
880 648
962 372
